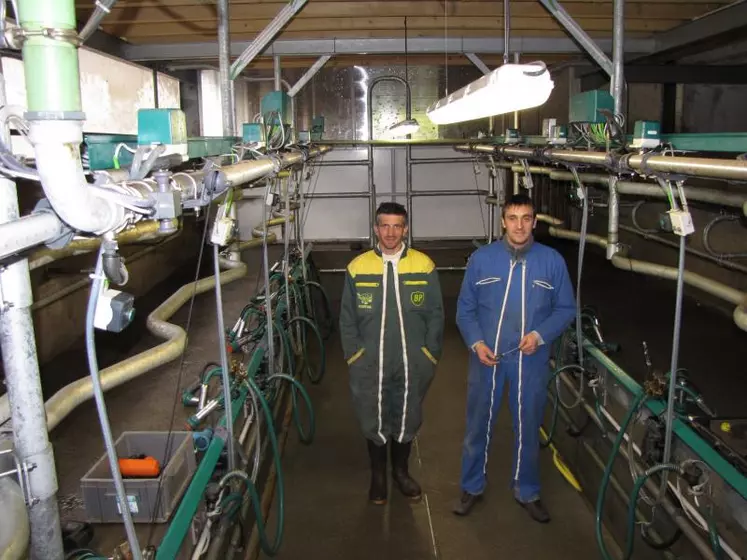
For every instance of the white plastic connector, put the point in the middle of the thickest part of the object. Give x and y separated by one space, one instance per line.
222 232
682 222
271 199
114 311
223 228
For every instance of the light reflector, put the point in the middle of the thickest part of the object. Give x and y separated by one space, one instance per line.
509 88
403 128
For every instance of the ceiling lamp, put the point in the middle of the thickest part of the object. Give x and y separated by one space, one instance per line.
509 88
403 128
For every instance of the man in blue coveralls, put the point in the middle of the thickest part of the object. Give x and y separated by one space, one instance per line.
516 299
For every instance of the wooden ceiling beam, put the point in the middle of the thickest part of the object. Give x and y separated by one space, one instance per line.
189 37
125 13
452 4
493 61
418 26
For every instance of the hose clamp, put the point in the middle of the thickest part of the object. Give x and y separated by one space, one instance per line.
18 35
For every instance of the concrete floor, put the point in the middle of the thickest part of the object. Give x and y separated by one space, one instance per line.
333 520
326 511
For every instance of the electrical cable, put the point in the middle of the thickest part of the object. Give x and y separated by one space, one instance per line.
477 198
97 286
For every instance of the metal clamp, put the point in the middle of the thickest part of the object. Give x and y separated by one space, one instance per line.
4 305
21 471
18 35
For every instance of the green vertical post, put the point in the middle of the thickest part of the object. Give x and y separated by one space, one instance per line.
50 65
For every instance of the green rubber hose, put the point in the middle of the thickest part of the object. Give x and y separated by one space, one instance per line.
555 410
637 403
640 481
296 385
269 549
315 374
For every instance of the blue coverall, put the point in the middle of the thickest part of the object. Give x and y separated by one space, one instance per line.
506 294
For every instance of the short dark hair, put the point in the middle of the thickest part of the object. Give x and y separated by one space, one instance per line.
391 208
519 200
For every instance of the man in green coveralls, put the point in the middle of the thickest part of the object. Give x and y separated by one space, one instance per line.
391 323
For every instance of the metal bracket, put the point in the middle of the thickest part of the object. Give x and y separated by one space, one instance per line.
16 36
21 471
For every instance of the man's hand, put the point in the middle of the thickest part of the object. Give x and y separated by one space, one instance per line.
529 343
485 354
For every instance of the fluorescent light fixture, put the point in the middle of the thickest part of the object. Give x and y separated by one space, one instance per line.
509 88
403 128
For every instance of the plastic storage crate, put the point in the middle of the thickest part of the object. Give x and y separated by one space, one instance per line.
97 486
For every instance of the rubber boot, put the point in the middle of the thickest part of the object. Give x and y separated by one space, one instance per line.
400 471
377 493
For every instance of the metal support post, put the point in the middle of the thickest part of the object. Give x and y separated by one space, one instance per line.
578 34
276 72
23 382
613 212
618 52
516 127
491 207
224 64
310 73
408 188
268 34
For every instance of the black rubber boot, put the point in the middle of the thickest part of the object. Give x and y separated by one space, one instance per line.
400 471
536 510
377 492
465 503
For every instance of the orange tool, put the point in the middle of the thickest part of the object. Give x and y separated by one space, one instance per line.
144 467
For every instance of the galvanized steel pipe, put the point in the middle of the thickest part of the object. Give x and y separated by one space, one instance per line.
28 231
690 166
247 171
709 286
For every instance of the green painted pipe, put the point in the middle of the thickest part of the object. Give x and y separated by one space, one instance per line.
50 65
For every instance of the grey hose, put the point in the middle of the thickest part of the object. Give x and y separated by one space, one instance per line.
143 169
706 241
98 393
673 367
634 217
225 373
268 298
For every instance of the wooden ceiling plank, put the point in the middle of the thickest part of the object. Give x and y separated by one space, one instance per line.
395 8
321 27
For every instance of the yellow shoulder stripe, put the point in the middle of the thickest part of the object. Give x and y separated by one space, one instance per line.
367 263
416 263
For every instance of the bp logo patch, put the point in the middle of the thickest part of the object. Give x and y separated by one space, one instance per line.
417 298
365 300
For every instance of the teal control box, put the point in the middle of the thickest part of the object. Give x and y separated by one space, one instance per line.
585 106
253 133
276 103
646 134
161 126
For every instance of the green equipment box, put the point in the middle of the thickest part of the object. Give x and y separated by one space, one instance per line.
585 106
